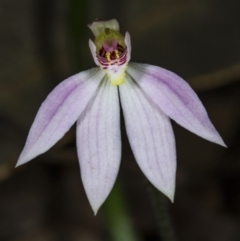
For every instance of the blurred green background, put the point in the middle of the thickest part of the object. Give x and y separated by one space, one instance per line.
43 42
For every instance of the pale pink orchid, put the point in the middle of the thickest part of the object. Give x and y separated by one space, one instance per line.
149 96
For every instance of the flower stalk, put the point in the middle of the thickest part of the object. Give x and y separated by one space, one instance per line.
119 221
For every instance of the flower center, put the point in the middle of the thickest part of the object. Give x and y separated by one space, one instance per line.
111 52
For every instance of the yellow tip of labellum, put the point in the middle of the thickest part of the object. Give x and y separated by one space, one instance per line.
118 80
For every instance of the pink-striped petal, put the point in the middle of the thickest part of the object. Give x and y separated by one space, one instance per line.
99 144
175 98
151 137
59 111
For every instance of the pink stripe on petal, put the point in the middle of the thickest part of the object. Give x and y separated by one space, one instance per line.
151 137
59 111
175 98
99 144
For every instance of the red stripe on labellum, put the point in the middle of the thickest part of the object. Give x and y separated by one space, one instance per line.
115 58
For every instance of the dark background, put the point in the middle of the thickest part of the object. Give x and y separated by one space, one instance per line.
43 42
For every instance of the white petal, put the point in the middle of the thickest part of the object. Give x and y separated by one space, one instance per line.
59 111
129 47
93 48
99 144
175 98
151 137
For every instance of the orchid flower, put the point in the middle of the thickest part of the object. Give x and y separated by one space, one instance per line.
149 96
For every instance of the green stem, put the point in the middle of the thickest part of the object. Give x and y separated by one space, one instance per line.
161 210
119 221
77 28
